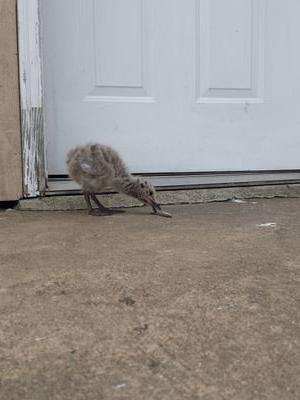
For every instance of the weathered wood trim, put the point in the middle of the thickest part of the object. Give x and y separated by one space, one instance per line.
30 65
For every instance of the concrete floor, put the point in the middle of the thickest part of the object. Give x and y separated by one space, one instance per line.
202 306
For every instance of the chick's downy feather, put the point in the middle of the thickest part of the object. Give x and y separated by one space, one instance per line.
95 167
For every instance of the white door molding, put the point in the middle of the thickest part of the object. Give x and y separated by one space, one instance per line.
30 66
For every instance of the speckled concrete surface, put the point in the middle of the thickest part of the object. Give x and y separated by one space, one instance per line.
133 306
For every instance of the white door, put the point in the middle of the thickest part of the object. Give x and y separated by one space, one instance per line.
174 85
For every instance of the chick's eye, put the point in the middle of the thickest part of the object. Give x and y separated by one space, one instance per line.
142 185
151 193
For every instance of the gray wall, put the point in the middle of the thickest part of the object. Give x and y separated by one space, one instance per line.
10 136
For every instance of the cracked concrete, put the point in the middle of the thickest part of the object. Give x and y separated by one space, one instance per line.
134 306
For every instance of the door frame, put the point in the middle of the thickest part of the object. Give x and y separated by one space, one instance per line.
31 98
35 174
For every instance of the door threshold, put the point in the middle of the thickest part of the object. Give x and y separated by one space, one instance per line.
183 181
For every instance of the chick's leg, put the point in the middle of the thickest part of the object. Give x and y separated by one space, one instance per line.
92 211
102 210
88 201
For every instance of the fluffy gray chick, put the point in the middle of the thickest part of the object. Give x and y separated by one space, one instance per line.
95 167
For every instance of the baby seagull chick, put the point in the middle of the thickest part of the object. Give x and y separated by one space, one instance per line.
95 167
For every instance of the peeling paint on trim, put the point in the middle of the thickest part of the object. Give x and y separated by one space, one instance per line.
33 151
33 148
